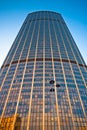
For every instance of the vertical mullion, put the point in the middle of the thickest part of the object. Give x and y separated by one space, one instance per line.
12 58
44 73
33 79
74 45
76 59
65 76
12 47
23 74
74 75
13 75
54 76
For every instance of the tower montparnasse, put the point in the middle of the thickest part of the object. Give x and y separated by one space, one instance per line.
43 80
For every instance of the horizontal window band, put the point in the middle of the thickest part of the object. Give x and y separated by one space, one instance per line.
42 59
50 19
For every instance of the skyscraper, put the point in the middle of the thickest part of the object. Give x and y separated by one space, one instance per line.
43 80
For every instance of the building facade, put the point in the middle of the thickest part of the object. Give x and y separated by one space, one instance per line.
43 80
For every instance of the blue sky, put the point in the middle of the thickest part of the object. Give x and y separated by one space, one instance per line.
13 13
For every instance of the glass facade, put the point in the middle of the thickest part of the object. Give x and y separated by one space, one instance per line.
43 80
